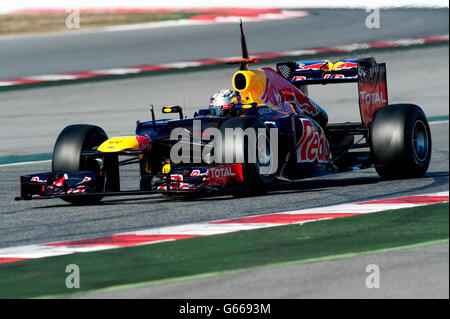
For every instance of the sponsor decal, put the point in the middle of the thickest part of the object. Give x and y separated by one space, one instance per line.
264 110
198 172
371 98
78 189
313 145
222 175
176 177
85 180
372 88
344 65
176 183
37 179
311 66
60 182
195 172
180 186
283 94
143 143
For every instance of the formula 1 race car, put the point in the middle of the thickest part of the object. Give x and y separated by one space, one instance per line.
264 130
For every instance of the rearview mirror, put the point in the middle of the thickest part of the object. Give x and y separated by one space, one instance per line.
173 109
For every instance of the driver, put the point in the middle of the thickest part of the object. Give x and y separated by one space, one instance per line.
221 103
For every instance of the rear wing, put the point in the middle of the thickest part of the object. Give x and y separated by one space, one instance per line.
319 72
370 76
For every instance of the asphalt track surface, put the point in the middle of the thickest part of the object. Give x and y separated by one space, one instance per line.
32 119
90 50
411 274
44 221
420 272
40 119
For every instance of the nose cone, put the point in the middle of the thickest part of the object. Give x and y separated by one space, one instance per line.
120 143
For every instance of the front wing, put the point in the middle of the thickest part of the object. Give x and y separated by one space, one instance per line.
179 180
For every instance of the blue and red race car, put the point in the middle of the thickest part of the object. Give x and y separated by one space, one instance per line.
264 130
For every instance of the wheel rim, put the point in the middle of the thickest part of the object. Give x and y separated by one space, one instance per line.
420 140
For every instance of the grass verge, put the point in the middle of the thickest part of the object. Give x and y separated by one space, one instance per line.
11 159
229 252
28 23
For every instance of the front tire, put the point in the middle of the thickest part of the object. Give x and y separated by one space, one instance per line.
257 175
400 139
71 142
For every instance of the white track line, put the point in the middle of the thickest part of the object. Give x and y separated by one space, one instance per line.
25 163
41 79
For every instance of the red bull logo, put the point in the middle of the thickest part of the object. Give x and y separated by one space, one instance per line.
143 142
281 93
313 146
344 65
313 66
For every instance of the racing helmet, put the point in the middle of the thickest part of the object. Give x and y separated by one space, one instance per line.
221 102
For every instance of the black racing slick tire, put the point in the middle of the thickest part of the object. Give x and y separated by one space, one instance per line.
71 142
400 139
257 175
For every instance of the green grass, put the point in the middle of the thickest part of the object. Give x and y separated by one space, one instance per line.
25 158
229 252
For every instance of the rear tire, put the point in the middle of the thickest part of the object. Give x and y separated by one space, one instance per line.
71 142
400 139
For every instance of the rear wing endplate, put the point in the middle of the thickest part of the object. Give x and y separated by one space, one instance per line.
372 88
